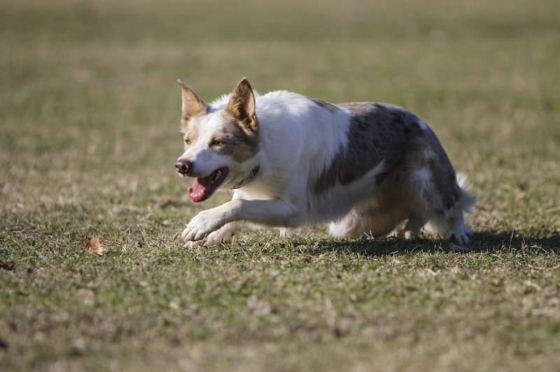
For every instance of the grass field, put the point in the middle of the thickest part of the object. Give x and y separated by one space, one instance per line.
89 120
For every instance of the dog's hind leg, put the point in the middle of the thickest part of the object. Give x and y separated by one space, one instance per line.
349 226
412 227
438 196
451 222
365 220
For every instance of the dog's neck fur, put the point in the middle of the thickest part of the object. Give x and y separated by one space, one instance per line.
281 112
249 177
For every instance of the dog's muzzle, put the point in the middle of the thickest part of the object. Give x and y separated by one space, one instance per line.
184 167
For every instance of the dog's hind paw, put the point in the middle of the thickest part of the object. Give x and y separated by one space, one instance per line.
459 238
459 242
458 248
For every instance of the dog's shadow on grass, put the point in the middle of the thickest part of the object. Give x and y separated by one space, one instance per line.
480 241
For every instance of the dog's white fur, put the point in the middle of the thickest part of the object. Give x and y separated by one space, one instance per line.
298 140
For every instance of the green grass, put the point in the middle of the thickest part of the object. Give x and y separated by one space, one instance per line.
89 120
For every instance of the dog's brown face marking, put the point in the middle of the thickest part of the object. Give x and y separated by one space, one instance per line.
236 141
186 120
327 106
190 135
377 132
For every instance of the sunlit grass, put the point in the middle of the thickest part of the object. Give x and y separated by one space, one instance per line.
89 132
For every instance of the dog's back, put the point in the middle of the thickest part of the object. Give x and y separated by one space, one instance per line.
415 185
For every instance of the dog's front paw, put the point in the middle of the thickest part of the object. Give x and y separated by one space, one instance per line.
201 225
194 244
220 236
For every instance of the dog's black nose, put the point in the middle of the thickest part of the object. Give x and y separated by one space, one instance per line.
183 167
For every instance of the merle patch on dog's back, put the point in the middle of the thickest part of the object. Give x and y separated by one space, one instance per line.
378 132
326 105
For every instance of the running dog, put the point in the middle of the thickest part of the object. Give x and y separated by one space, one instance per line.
360 168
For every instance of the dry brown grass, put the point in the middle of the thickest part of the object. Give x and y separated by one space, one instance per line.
89 131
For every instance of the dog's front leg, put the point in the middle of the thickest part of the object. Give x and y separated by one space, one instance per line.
269 212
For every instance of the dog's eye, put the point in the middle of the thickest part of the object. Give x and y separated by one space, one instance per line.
216 143
188 141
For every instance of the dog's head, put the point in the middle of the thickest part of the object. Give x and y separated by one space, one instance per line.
221 143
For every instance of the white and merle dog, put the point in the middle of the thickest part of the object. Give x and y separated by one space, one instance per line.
362 168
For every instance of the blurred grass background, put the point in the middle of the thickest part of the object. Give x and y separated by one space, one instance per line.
89 120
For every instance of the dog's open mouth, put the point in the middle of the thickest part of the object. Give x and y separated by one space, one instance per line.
204 187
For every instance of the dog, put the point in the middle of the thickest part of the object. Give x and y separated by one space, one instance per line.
359 168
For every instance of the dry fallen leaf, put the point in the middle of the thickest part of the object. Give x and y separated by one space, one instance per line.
93 245
8 265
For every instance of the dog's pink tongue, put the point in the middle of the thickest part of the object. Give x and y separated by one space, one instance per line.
198 191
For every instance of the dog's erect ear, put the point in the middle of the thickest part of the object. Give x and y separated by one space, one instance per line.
192 104
242 105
